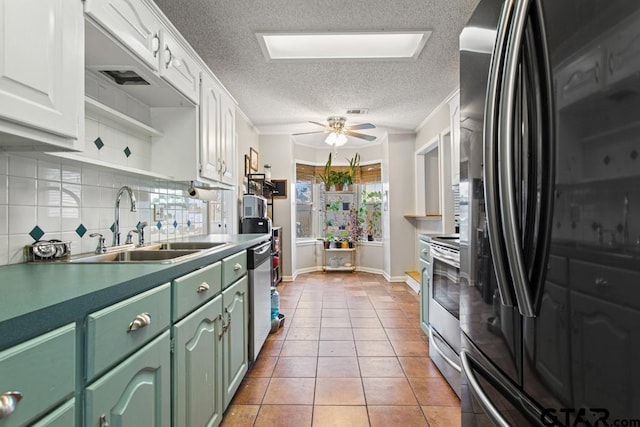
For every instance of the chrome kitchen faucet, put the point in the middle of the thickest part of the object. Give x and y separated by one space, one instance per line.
116 225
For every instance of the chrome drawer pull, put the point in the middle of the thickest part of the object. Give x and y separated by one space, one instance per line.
204 287
103 421
601 282
140 321
237 267
224 327
8 402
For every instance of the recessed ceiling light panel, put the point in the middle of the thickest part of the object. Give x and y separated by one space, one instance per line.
343 46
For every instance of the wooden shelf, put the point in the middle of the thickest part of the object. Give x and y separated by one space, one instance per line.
98 110
426 217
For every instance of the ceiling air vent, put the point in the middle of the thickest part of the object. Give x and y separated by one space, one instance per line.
356 111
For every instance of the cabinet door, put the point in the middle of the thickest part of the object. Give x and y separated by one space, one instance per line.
210 107
132 23
178 67
64 416
197 367
41 66
228 139
236 341
605 353
425 278
136 392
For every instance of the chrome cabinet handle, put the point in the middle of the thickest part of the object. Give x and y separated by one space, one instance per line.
170 56
601 282
224 326
155 44
477 391
237 267
8 402
140 321
204 287
103 421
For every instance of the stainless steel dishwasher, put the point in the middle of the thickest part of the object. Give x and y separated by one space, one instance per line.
259 267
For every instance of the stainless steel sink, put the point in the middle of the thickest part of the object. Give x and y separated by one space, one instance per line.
140 256
190 245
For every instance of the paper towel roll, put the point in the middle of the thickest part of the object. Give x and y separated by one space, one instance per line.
202 194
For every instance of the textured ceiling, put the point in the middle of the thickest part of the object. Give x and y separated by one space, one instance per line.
284 96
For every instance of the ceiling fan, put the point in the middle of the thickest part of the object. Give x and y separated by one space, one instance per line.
338 132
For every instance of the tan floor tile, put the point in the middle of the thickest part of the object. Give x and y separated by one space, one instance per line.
442 416
303 334
369 334
271 348
365 322
419 367
284 416
335 312
378 367
299 348
374 348
361 305
388 314
308 312
411 348
295 367
290 391
362 312
385 416
336 348
280 334
340 416
262 367
335 334
336 322
334 304
240 415
310 304
338 367
305 322
251 391
388 391
396 322
402 334
339 391
434 392
384 305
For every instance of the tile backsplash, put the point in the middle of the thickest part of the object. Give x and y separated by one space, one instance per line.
58 199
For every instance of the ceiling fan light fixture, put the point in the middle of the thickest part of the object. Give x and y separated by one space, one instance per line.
337 139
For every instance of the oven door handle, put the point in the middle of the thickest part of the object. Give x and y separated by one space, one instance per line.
445 257
432 343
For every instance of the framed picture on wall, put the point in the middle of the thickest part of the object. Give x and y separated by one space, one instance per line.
253 159
280 192
247 165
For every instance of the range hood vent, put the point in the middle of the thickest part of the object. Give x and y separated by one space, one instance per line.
357 111
125 77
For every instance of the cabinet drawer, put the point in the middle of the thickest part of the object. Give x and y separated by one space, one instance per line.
233 268
64 416
423 249
608 283
196 288
43 370
109 337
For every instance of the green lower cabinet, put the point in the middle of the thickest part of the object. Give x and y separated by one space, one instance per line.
236 337
197 367
64 416
134 393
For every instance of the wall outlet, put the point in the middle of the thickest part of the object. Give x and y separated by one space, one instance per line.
158 212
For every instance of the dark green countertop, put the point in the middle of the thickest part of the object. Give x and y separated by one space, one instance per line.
38 297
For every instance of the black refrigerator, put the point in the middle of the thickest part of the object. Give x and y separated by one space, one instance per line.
550 213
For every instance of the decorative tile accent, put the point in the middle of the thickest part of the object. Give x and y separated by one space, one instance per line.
98 143
127 152
36 233
175 224
81 230
189 223
113 227
159 225
139 224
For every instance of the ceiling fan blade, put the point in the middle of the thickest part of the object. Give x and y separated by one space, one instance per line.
361 126
308 133
324 125
360 135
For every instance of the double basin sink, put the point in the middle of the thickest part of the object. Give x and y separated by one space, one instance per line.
161 253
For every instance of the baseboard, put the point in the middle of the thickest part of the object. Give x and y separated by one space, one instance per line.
412 283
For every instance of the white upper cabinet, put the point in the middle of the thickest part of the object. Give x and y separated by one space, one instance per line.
132 23
178 67
41 74
217 132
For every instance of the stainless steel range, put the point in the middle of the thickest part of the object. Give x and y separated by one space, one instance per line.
444 307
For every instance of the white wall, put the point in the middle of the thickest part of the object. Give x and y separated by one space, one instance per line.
278 151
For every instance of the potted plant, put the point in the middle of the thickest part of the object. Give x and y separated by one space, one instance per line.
339 179
326 177
354 164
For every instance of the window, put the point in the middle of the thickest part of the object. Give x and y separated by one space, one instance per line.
367 224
